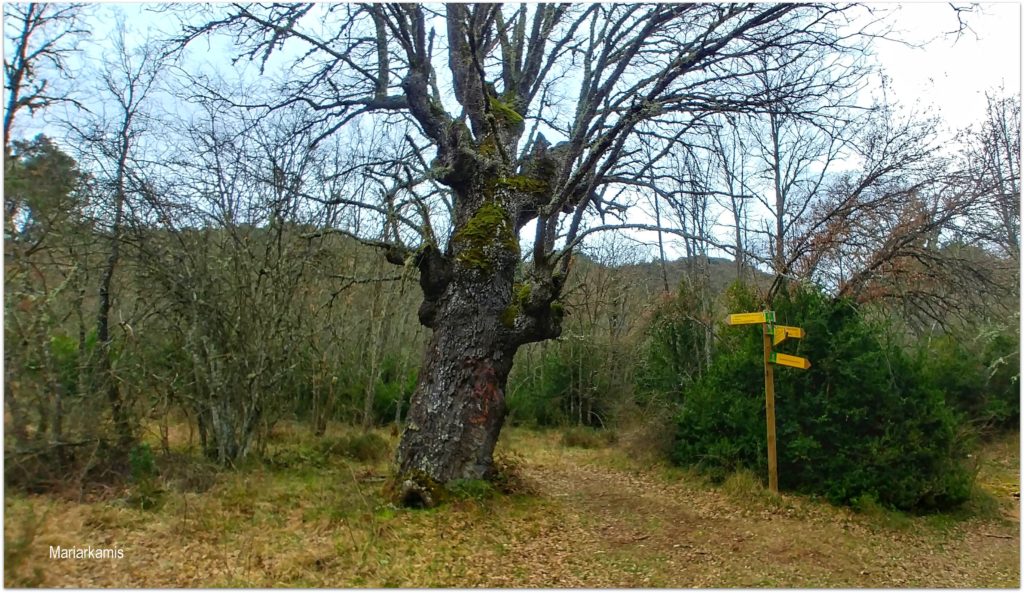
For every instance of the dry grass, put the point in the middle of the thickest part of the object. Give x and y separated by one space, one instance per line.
600 519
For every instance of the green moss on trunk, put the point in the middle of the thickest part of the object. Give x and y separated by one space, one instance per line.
488 146
416 490
504 112
509 315
521 292
524 184
485 236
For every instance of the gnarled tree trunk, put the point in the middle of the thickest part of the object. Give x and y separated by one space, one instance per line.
459 404
480 315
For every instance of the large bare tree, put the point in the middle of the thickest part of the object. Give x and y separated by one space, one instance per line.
478 89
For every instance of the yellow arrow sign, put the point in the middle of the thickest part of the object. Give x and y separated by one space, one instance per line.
778 333
790 361
786 331
748 318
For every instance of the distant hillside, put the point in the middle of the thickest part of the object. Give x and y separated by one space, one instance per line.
722 272
648 275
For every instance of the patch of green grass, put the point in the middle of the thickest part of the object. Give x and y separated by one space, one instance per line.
880 516
686 475
471 489
386 512
585 437
20 530
743 486
368 447
982 505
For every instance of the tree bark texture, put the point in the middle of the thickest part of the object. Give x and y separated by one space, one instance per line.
480 315
459 404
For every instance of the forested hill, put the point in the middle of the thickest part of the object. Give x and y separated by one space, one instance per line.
720 272
652 276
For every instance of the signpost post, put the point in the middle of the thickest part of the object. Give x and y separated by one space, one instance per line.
769 408
771 335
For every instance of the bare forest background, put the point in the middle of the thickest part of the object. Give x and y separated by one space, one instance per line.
191 249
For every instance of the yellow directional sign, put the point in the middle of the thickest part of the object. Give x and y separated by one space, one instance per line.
748 318
789 361
778 333
786 331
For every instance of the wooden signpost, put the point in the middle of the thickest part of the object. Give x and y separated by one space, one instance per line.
772 335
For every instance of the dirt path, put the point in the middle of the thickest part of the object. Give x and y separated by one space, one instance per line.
631 528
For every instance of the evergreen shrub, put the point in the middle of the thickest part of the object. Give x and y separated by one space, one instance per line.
865 419
979 375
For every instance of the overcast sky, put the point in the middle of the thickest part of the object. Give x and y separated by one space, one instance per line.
951 74
946 73
942 73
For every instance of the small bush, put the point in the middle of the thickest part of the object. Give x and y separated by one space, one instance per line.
367 447
297 457
509 477
142 462
332 446
587 438
146 493
184 473
979 376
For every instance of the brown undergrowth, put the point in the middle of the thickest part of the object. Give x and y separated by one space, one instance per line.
308 516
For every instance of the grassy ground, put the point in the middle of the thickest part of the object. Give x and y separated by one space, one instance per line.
601 517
